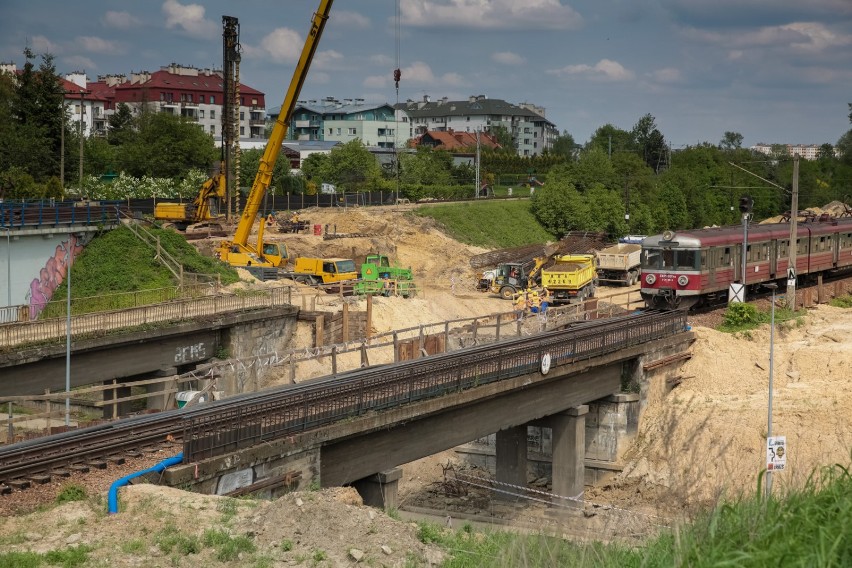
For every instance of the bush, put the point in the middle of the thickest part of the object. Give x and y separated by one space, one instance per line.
742 315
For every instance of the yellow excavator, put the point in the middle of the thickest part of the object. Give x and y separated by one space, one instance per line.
262 257
204 208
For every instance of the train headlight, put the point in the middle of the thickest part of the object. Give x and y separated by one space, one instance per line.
683 280
650 278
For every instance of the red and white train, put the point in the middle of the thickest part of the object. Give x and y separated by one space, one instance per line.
691 268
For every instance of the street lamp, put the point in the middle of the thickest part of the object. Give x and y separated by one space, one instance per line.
772 286
68 336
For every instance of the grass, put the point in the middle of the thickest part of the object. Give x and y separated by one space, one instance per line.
66 558
490 224
744 317
842 301
808 527
117 261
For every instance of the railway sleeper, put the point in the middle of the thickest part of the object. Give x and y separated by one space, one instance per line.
40 479
60 473
97 464
5 489
19 484
116 460
79 468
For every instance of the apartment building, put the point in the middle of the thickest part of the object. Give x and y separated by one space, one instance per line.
531 132
805 151
184 91
332 120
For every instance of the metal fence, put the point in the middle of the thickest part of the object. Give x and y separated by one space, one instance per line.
103 323
248 420
20 214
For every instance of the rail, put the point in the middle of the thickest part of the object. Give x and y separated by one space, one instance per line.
241 421
251 419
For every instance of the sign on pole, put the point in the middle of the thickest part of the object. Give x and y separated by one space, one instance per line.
736 293
776 453
791 276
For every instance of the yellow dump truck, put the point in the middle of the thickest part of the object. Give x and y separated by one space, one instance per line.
571 279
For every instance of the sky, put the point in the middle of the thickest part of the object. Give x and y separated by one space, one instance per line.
775 71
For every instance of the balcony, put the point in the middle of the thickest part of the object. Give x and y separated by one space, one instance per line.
257 122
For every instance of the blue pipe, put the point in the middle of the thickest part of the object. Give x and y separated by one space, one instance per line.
112 501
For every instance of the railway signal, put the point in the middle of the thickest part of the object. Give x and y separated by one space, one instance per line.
746 204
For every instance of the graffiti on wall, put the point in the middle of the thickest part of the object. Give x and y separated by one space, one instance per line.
51 274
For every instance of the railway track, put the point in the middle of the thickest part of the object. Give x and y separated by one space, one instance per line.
247 419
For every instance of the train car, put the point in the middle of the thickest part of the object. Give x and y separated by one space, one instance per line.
691 268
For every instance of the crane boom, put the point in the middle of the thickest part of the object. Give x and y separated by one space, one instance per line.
239 252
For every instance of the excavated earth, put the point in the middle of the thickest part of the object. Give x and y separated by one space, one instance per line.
699 442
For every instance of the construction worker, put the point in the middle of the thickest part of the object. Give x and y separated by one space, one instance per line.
522 302
535 302
544 299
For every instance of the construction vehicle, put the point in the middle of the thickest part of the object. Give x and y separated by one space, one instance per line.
571 279
378 276
267 258
323 270
513 277
204 208
619 264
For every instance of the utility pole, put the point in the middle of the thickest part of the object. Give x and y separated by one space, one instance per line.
794 232
476 182
82 108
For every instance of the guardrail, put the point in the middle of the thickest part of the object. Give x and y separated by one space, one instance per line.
41 213
242 422
102 323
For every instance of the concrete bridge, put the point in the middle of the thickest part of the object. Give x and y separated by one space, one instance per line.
264 445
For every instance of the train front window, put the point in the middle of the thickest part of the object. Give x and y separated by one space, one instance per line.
670 259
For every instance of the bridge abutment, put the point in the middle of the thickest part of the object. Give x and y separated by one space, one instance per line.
380 490
511 459
569 452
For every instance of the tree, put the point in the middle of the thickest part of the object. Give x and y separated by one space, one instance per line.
731 141
503 137
559 207
426 167
350 167
250 163
164 145
564 146
610 140
120 125
651 142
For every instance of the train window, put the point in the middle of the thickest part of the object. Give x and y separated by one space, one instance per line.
687 259
668 258
703 259
651 258
726 257
748 254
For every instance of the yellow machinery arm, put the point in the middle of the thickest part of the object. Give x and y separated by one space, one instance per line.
239 252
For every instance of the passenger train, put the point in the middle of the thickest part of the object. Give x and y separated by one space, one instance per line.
690 268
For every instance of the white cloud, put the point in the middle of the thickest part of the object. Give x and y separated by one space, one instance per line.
418 73
350 20
603 70
41 44
381 60
99 45
329 59
79 63
489 14
120 20
666 75
508 58
810 37
189 18
281 45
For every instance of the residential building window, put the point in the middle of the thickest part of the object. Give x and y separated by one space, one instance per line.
254 102
162 96
331 131
352 132
201 113
212 100
212 113
242 115
242 130
338 131
212 129
189 98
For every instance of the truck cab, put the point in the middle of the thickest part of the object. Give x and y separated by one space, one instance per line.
325 270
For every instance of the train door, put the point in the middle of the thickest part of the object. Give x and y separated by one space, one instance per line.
712 256
773 258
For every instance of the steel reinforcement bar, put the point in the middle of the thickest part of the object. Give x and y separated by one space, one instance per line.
248 420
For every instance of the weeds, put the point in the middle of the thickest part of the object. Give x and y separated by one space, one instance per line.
71 492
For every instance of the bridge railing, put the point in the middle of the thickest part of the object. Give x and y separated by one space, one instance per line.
252 419
102 323
22 214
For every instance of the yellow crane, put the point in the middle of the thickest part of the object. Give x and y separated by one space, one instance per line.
238 251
